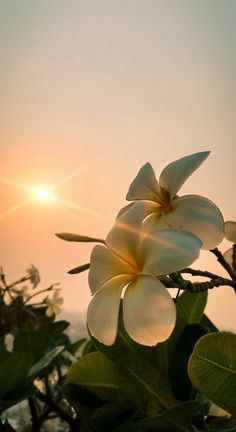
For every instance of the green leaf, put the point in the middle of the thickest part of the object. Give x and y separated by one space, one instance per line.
206 322
222 424
79 269
84 401
144 383
35 342
175 419
78 238
181 384
191 306
111 409
57 327
97 374
78 345
13 371
17 394
38 342
45 361
212 369
4 354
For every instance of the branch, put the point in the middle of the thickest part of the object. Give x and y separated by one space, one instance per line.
175 280
53 405
40 292
194 272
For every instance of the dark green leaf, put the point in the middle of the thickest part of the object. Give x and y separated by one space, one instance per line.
206 322
95 373
57 327
181 384
4 354
112 409
79 269
13 371
83 400
222 424
143 382
17 394
191 306
45 361
212 369
176 419
35 342
78 345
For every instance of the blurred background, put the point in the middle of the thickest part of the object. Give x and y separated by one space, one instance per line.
90 91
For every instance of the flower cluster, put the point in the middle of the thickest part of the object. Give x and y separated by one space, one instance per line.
157 234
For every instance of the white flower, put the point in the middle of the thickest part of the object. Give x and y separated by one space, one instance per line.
130 261
166 210
54 304
9 341
34 275
230 234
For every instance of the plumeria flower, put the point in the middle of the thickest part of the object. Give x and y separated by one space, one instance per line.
54 304
230 234
166 210
131 261
33 273
9 341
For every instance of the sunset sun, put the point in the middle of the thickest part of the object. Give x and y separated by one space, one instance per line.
43 194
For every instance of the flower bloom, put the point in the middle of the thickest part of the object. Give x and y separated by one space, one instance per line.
166 210
230 234
33 274
54 304
131 261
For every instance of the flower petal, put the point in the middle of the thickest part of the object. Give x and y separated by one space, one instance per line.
149 208
230 231
168 251
103 310
148 311
176 173
105 265
195 214
228 256
145 186
123 239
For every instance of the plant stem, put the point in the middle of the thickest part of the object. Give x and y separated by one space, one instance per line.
40 292
62 414
194 272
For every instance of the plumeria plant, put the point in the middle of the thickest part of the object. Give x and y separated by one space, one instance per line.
35 354
155 361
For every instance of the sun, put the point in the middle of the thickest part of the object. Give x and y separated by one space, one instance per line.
43 194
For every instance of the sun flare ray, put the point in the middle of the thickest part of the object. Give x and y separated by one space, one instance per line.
45 193
75 206
15 208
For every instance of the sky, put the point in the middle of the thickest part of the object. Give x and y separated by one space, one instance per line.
92 90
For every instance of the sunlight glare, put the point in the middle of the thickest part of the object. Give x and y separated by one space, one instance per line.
43 194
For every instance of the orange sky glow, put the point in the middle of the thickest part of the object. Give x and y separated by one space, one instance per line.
90 92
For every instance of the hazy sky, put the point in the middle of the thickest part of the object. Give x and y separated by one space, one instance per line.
90 91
